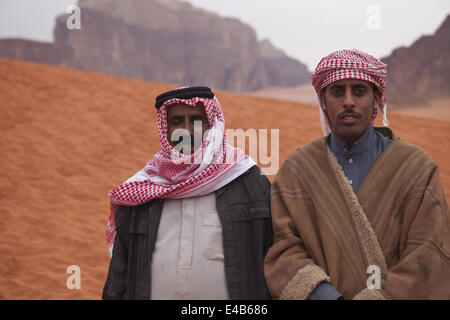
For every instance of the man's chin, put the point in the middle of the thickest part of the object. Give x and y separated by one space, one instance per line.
349 133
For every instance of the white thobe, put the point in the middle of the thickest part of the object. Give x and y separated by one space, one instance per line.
188 261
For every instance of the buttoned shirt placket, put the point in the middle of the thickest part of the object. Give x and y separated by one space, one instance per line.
186 246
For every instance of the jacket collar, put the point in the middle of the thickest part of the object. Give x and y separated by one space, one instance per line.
362 144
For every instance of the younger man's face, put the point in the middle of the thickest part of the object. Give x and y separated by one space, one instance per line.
349 104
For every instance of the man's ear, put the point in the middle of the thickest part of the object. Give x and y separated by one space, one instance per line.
377 95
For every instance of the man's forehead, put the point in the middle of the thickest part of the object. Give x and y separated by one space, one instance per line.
349 82
179 108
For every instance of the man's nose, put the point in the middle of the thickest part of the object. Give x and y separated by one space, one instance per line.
195 127
349 101
189 125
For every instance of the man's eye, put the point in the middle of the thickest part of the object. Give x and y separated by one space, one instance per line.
176 123
360 91
336 92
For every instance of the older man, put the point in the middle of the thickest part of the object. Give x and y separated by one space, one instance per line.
195 222
358 214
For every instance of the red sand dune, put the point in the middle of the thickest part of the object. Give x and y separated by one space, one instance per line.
438 108
69 136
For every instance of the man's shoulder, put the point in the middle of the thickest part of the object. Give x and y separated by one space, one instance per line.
313 151
403 149
302 165
253 176
251 185
408 152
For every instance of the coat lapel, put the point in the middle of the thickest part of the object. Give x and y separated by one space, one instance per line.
370 247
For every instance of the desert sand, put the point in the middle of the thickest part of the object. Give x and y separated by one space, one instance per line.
438 108
68 137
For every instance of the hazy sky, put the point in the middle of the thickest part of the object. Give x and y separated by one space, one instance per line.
306 30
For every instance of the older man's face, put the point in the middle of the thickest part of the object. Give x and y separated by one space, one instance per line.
349 104
186 126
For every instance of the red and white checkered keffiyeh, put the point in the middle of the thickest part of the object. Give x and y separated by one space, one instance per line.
171 174
350 64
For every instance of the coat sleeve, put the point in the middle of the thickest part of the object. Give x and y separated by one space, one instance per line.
268 234
116 282
289 270
423 269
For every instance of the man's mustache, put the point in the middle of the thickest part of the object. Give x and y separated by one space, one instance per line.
349 111
183 138
184 141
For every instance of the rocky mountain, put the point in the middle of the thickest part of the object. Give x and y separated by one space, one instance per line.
163 40
422 71
282 71
36 51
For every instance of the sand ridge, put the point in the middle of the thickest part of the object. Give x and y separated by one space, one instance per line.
68 137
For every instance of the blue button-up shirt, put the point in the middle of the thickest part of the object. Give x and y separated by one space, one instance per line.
360 158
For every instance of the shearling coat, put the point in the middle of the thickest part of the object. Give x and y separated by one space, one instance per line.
323 231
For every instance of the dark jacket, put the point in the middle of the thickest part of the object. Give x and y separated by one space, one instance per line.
243 206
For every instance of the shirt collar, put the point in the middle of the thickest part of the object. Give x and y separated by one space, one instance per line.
362 144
